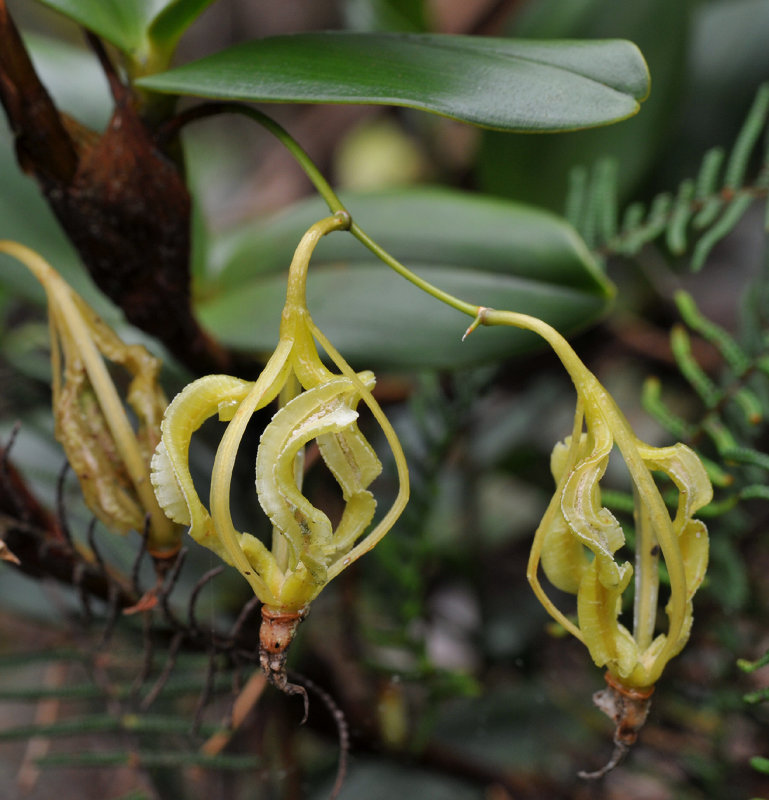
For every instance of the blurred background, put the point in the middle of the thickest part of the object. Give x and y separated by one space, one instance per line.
453 681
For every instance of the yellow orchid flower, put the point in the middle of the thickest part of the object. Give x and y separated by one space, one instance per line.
110 458
577 540
315 404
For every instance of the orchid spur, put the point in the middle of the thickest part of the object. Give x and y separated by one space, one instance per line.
315 404
577 539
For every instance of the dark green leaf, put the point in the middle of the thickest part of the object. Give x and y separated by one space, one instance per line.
88 98
385 15
120 22
536 168
496 83
483 250
173 21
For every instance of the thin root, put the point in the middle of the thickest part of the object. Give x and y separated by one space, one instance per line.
617 757
628 708
342 729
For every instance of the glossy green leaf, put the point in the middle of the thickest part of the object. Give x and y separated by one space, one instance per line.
496 83
483 250
173 20
120 22
536 168
385 15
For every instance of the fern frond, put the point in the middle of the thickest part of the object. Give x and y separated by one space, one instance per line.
702 211
722 438
752 666
751 407
706 184
747 455
728 402
575 196
151 759
720 229
680 216
651 400
707 390
719 477
606 203
727 346
106 723
746 139
755 492
760 696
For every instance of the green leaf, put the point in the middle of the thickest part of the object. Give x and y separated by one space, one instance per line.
496 83
25 217
485 251
87 98
173 21
385 15
536 168
120 22
760 763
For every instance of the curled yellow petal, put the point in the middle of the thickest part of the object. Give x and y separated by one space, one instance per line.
171 476
564 557
316 412
315 405
594 526
354 464
399 503
598 608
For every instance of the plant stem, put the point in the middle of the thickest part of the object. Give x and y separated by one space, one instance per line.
323 188
296 294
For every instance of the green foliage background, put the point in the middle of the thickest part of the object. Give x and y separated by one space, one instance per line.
454 683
